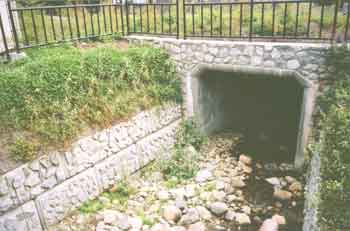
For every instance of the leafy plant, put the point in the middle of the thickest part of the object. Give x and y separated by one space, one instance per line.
183 164
22 150
119 194
335 152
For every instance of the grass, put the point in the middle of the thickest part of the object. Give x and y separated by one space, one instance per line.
51 97
117 195
335 148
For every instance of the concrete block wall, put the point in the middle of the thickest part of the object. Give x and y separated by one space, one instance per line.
39 194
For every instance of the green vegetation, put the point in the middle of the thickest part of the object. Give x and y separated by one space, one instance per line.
183 164
53 95
117 196
335 148
145 219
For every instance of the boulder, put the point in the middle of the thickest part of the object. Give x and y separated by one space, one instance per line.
192 216
218 208
199 226
282 195
172 213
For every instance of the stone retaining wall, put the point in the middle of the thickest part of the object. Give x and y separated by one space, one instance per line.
41 193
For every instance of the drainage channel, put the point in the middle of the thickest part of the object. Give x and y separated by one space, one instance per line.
232 191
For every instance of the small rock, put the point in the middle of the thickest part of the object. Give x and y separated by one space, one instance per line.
190 191
163 195
273 181
242 218
135 223
281 220
160 227
290 179
172 213
192 216
237 182
104 200
110 217
246 209
199 226
180 203
203 176
245 159
218 195
218 208
230 216
178 228
295 187
247 169
203 213
282 195
123 222
220 185
269 225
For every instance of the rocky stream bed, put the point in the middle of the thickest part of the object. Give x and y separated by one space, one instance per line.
231 191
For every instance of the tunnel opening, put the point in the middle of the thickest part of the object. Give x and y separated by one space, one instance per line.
264 109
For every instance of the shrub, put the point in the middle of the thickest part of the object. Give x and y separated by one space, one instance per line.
335 152
56 93
183 164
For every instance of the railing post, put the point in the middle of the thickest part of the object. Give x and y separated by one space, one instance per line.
76 20
184 16
177 20
251 20
121 17
13 26
2 30
127 17
335 19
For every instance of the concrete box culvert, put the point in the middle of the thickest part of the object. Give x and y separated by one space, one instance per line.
217 104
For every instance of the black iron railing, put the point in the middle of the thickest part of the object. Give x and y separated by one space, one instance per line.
153 18
293 20
276 20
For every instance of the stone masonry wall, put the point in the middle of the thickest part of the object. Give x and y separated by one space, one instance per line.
306 60
41 193
303 58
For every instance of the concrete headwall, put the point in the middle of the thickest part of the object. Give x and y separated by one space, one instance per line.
304 62
41 193
292 60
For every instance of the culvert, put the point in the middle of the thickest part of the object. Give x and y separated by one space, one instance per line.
271 108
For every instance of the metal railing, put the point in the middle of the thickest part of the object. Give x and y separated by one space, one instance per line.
153 18
65 23
272 20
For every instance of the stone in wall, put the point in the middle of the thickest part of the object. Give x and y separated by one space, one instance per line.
136 156
306 59
8 198
23 218
28 181
56 203
90 150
